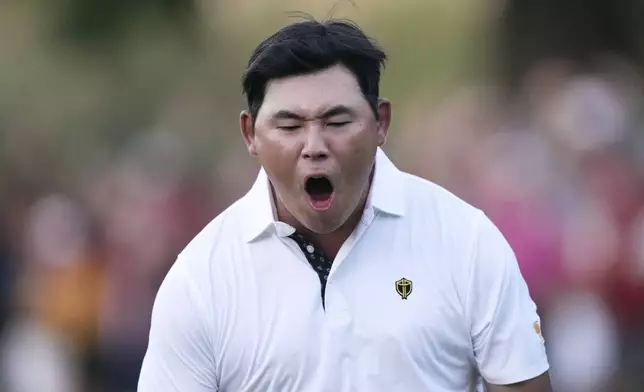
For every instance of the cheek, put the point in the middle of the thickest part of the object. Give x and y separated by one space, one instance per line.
276 166
363 144
278 161
274 143
357 161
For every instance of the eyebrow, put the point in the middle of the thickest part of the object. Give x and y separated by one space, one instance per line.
338 110
334 111
287 115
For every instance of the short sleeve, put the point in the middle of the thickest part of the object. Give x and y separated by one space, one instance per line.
504 324
179 357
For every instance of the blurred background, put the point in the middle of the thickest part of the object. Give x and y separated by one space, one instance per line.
119 142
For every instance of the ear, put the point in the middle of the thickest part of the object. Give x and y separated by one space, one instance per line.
384 120
248 132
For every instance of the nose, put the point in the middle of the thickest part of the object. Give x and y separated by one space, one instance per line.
315 147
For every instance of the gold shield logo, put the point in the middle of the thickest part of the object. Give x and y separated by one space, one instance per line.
404 287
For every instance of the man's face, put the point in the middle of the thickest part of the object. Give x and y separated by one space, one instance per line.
316 137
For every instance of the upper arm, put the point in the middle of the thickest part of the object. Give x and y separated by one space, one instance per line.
504 324
179 355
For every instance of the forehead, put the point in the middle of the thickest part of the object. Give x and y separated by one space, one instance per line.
310 94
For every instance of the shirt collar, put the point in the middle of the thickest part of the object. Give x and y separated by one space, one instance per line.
385 196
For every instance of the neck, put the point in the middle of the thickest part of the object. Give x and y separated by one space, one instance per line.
331 243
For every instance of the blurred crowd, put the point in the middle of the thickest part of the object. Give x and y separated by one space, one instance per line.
556 160
89 266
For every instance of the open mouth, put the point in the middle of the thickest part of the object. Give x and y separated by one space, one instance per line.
320 191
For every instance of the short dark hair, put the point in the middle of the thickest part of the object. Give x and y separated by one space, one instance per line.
310 46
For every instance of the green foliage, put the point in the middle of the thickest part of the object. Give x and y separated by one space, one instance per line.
95 21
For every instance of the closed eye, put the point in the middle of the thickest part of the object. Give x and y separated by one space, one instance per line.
288 127
338 124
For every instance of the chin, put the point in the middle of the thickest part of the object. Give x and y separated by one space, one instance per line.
322 228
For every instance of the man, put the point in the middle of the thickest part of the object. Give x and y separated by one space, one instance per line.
338 272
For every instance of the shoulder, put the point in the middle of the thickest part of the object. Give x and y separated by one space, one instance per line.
436 208
224 228
218 240
187 288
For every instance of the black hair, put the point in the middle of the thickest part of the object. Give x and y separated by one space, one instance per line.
310 46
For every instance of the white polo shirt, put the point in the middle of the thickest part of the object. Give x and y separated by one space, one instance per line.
241 309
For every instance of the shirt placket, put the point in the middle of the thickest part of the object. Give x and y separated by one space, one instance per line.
320 262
